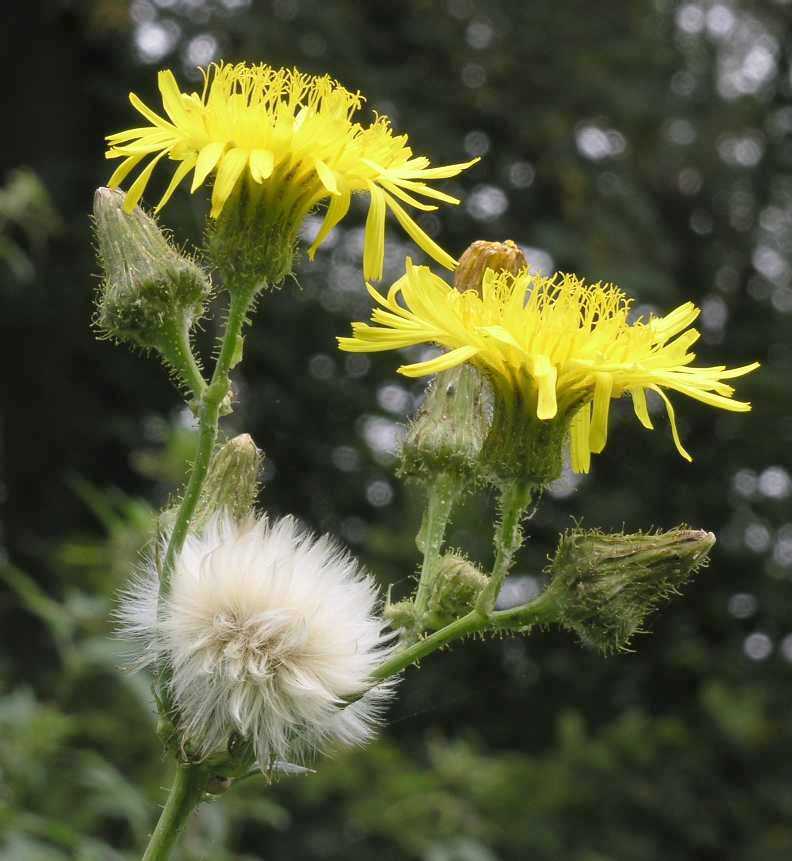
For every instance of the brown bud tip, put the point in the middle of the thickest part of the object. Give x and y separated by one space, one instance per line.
480 256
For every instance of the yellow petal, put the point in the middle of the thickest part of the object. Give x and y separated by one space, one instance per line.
738 372
418 236
435 172
262 162
181 171
407 198
579 448
172 97
123 169
441 363
338 208
672 419
119 137
639 405
374 240
231 166
154 119
426 190
598 434
502 335
138 186
207 159
546 376
326 176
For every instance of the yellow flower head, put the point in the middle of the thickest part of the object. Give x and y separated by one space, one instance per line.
294 136
560 345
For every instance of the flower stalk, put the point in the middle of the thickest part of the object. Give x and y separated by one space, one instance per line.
443 495
208 419
515 499
186 792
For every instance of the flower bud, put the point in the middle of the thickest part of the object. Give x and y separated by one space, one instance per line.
604 586
456 586
232 482
450 427
150 290
480 256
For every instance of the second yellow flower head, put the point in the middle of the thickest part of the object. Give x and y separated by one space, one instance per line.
561 346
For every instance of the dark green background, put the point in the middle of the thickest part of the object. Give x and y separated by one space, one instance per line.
645 143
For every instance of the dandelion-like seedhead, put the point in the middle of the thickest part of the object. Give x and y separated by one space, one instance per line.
561 347
266 633
294 140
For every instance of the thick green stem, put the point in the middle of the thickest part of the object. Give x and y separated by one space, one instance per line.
515 498
442 496
208 417
540 611
186 792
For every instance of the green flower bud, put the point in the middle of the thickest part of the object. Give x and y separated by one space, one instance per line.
455 588
449 429
401 615
232 482
151 293
604 586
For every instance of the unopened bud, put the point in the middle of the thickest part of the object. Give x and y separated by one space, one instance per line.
149 286
232 482
456 586
400 615
480 256
605 586
449 429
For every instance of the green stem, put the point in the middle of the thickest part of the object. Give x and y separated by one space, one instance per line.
442 496
186 792
177 352
515 498
541 611
469 624
208 417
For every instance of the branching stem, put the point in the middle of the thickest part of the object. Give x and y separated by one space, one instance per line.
540 611
208 417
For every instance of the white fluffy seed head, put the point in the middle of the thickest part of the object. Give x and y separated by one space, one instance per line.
266 632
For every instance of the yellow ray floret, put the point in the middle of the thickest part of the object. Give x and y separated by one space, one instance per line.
557 343
295 135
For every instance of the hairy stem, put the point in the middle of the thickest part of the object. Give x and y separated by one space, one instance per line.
177 352
442 496
540 611
186 792
515 499
208 417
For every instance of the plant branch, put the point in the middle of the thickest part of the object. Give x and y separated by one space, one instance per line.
442 496
515 499
541 611
189 784
208 417
177 352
